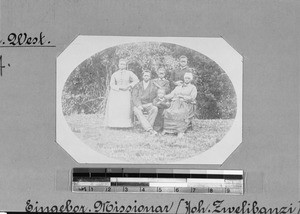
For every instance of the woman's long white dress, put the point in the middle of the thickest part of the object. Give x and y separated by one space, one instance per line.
118 108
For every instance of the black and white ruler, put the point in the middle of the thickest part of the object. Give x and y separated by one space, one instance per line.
147 180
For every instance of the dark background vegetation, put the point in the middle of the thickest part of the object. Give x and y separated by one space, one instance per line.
86 89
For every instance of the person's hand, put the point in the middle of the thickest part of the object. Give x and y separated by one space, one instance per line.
179 82
147 105
124 88
140 107
167 97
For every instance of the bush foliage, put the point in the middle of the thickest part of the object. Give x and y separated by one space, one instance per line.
86 89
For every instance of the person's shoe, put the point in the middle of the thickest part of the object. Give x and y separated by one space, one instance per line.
180 135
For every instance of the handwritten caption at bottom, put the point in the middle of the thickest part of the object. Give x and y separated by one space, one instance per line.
180 207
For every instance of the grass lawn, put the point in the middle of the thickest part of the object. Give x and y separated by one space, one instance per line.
135 145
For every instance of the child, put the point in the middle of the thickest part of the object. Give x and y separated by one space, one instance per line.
161 82
161 103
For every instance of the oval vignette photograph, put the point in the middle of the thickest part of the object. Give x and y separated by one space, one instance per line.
148 102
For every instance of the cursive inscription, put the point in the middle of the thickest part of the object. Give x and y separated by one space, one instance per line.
67 207
25 40
114 207
180 207
2 66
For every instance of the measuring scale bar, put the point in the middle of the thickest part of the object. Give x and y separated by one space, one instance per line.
161 189
157 181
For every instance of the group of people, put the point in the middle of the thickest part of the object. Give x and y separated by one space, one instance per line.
160 105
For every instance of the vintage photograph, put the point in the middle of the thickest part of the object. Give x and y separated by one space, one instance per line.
149 102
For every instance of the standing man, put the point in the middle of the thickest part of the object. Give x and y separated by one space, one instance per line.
143 95
177 76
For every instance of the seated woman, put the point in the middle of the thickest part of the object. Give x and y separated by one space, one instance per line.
178 117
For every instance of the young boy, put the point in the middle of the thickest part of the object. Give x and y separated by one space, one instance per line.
161 103
161 82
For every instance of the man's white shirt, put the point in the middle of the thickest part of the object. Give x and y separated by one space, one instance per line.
145 84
